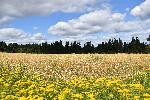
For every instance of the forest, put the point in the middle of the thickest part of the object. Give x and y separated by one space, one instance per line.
110 47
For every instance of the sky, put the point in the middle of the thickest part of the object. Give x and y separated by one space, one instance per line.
37 21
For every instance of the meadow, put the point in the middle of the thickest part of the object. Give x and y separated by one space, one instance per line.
74 76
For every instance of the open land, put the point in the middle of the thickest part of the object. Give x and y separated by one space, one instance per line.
74 76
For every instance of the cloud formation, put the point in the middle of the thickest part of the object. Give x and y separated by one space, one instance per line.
19 36
95 22
104 21
142 10
10 9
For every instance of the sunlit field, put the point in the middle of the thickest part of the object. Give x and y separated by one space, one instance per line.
74 76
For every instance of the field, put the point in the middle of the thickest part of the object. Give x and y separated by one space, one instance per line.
74 77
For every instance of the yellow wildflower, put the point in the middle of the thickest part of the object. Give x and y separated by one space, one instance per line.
50 86
120 91
22 98
100 80
91 96
80 96
75 82
22 91
146 95
1 80
111 95
136 97
42 89
30 98
146 98
3 93
29 82
10 97
35 96
61 97
126 90
32 86
31 92
108 83
6 84
18 82
49 90
40 98
66 90
137 86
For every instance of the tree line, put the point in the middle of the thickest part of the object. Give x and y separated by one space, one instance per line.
57 47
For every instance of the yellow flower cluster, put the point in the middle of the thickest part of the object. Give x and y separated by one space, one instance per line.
102 88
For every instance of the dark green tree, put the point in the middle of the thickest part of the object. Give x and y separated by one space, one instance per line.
3 46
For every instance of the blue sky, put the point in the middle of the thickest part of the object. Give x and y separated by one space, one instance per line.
36 21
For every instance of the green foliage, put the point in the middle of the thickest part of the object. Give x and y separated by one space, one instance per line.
112 46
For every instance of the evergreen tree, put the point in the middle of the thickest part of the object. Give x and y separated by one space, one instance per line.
88 47
3 46
112 46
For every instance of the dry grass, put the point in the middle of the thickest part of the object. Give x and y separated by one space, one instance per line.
70 65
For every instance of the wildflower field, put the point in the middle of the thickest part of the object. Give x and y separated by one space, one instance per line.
74 77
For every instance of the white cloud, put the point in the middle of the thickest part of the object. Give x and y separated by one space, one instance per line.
118 16
128 26
19 36
10 33
104 22
111 36
94 22
4 20
142 10
21 8
38 36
